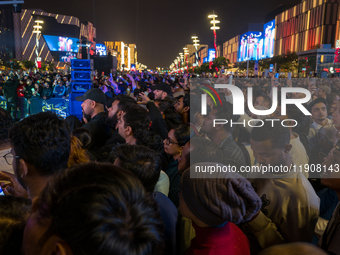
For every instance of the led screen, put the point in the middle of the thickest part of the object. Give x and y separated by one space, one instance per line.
59 43
101 49
268 39
67 56
211 54
251 46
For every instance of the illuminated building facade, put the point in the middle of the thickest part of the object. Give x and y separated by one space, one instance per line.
59 38
126 53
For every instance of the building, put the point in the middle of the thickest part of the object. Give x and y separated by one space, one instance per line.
7 46
59 38
230 49
126 53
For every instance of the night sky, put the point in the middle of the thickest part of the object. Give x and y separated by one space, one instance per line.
160 28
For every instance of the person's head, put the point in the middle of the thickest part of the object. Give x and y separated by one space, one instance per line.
40 145
198 149
6 123
211 202
180 106
263 101
84 135
323 91
220 112
93 102
270 145
134 118
336 115
77 153
119 105
318 109
94 208
141 161
162 90
14 212
293 249
176 139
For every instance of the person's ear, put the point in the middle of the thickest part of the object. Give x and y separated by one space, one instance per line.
93 104
56 246
128 130
23 168
287 148
186 109
119 114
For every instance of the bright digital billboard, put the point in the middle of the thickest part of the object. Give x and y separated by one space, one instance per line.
258 45
250 46
211 54
67 56
101 49
59 43
268 39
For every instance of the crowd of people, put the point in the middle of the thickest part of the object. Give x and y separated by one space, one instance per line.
123 179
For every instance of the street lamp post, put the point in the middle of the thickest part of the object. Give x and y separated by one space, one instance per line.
186 53
196 44
37 31
214 28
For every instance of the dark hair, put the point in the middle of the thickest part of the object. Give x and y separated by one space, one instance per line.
105 154
293 112
42 140
278 135
172 118
120 218
204 150
225 111
137 118
84 135
151 140
6 123
142 162
14 212
124 102
317 101
330 98
182 134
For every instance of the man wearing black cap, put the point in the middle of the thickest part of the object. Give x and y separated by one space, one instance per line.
162 90
93 107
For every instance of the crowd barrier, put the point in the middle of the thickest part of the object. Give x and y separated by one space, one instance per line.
58 105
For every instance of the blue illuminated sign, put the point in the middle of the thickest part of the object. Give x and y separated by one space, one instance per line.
250 46
211 54
268 39
101 49
257 45
59 43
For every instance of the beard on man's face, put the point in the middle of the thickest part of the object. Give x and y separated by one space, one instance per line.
112 121
86 116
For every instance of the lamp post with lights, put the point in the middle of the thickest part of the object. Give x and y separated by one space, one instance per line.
37 31
186 53
196 44
213 22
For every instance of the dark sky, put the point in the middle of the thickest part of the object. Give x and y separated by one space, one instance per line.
160 28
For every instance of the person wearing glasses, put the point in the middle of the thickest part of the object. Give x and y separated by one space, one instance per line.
40 148
173 146
6 123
